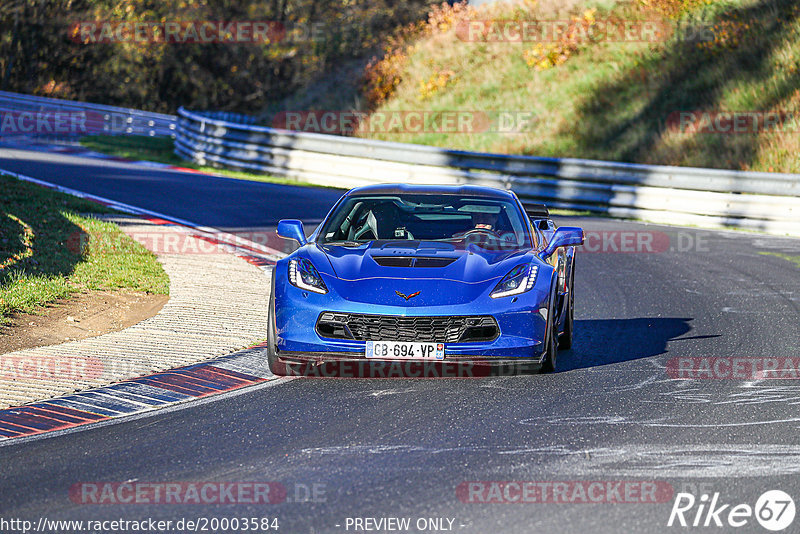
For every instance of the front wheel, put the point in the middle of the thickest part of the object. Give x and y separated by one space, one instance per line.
551 343
272 339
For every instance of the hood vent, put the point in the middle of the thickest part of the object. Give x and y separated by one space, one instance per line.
412 261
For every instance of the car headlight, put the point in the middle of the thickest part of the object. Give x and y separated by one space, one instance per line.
518 280
304 275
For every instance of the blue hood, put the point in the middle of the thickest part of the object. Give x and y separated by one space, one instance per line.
359 278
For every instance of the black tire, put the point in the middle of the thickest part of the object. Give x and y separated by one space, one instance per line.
550 362
565 339
275 366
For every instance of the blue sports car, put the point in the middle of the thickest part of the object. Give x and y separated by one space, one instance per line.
424 274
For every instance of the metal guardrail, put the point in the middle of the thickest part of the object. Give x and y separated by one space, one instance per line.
767 202
94 118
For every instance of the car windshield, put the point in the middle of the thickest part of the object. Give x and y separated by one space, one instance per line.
484 222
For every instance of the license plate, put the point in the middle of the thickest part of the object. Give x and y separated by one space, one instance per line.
400 350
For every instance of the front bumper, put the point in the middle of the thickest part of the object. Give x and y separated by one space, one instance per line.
522 324
346 365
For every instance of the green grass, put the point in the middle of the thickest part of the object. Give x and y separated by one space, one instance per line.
50 249
612 100
575 213
787 257
161 150
136 147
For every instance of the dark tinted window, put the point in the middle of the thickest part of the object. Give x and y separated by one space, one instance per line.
484 221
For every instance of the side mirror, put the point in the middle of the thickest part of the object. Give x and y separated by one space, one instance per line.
563 237
292 229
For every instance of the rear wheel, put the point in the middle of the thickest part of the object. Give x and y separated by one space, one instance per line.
551 342
565 339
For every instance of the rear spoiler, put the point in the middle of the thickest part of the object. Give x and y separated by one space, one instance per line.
537 211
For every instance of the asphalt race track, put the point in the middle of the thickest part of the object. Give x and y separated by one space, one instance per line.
406 448
220 202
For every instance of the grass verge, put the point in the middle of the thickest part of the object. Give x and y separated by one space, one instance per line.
787 257
162 150
52 247
612 99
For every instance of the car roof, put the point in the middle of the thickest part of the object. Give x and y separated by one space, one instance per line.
460 190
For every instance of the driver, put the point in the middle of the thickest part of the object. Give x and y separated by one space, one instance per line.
485 221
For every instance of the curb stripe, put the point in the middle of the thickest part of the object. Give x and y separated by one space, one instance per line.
23 430
33 423
85 405
169 382
187 393
208 374
119 406
138 399
183 377
14 430
148 392
231 373
90 417
135 396
41 412
58 413
124 398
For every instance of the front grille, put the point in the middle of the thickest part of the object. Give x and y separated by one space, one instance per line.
445 329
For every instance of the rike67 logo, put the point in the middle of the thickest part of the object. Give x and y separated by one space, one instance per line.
774 510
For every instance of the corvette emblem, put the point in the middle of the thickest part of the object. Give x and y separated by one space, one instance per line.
411 296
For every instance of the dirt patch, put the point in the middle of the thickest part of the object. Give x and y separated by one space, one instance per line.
85 315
